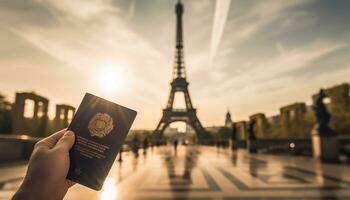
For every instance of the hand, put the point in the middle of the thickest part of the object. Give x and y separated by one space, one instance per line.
47 169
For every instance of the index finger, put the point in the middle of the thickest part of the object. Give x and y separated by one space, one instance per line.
50 141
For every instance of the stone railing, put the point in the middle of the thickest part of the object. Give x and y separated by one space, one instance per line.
292 146
16 147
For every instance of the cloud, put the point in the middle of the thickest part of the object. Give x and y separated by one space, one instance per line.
27 13
220 16
90 35
131 11
258 74
83 39
267 53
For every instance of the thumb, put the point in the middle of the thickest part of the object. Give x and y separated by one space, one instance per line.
66 141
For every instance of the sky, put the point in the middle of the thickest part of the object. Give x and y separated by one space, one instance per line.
245 56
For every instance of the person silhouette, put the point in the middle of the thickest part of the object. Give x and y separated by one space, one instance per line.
175 145
135 145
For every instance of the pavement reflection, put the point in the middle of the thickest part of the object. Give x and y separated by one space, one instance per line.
197 172
109 190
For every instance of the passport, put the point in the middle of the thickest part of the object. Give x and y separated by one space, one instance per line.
100 128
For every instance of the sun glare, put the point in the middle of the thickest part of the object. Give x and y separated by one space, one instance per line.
109 190
109 78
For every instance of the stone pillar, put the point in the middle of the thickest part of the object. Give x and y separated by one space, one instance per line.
61 118
292 120
260 124
339 96
325 145
36 109
234 136
241 131
42 120
18 114
35 126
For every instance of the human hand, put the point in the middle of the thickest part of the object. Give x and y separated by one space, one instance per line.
47 169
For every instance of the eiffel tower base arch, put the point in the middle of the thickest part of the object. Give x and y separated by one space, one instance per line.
178 115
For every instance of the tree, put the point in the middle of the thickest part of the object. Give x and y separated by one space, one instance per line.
5 115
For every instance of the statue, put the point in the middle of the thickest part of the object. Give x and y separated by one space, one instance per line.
135 145
322 116
325 145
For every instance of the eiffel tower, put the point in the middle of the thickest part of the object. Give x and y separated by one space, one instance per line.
179 84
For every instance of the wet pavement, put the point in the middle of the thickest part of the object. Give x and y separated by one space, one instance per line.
207 173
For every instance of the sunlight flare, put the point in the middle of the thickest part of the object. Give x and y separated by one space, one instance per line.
109 78
109 190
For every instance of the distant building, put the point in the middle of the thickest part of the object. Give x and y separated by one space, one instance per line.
171 130
189 129
228 120
213 129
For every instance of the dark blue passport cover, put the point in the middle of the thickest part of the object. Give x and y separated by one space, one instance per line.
100 128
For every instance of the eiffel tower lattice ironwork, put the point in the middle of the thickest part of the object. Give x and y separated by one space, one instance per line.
179 84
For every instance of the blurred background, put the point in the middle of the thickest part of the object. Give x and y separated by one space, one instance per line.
245 92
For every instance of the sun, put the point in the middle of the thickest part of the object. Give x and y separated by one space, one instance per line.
109 79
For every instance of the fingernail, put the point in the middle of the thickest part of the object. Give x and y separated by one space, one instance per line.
69 133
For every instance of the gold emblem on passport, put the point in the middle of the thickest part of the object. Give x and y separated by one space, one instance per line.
100 125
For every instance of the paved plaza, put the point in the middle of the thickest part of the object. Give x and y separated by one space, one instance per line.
207 173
